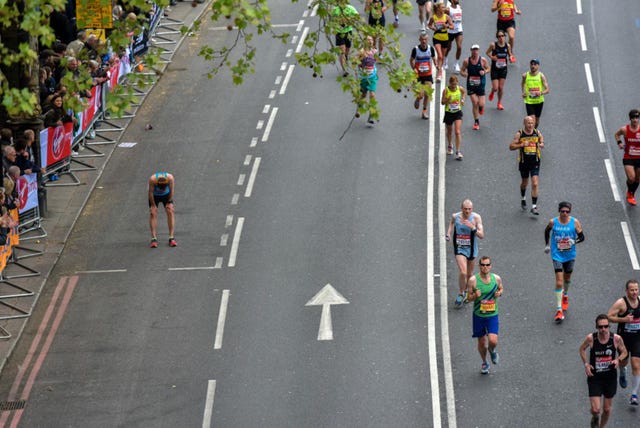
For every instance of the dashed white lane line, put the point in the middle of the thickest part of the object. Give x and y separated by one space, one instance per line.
287 77
247 160
218 264
267 130
223 239
235 198
630 248
278 80
272 94
254 140
266 108
612 180
241 178
294 39
579 7
289 53
222 317
302 39
587 72
596 117
260 124
101 271
283 66
193 268
229 221
583 39
233 254
252 177
300 24
208 404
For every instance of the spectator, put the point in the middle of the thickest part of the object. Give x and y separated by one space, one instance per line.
57 115
74 48
8 157
11 190
6 137
98 74
22 160
47 84
33 152
90 50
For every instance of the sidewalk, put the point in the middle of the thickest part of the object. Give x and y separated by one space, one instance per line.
65 203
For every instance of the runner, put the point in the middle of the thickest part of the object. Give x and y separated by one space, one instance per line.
631 157
396 17
424 11
529 143
626 312
466 226
560 238
483 290
368 72
346 15
440 23
421 61
475 69
534 87
601 368
499 53
161 189
376 10
453 100
455 13
507 11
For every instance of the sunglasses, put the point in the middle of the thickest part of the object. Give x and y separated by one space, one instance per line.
485 264
603 326
635 116
565 211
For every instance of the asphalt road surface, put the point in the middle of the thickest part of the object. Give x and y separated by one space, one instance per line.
236 327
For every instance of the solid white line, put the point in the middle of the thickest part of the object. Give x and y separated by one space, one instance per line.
236 241
596 116
208 404
240 180
583 39
267 130
254 140
102 271
266 108
252 177
612 180
302 38
235 198
192 268
260 124
218 264
287 76
444 314
630 249
431 312
222 316
579 7
300 24
587 71
223 239
314 11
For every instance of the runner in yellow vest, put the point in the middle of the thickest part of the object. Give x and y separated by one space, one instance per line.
534 87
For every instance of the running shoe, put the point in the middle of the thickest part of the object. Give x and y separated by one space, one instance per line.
633 400
523 204
370 120
595 421
345 74
631 199
446 64
458 302
500 106
491 94
457 67
154 243
425 116
476 126
416 104
559 317
623 378
481 110
449 149
535 211
565 302
512 58
172 242
485 368
465 300
459 155
396 22
495 358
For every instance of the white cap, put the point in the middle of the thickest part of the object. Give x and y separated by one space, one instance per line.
475 47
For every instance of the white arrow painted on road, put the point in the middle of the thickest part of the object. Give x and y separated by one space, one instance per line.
326 297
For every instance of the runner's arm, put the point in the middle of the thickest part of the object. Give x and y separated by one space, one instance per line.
580 237
622 350
588 342
545 84
547 232
151 185
479 230
500 288
472 291
614 312
515 143
618 136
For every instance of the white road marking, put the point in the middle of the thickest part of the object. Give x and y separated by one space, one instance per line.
431 321
314 11
583 39
266 108
235 198
283 66
229 221
630 248
305 13
240 180
294 39
252 177
444 314
254 140
208 404
278 80
247 160
287 76
612 180
300 24
236 241
272 94
289 53
587 72
218 264
101 271
596 116
326 297
192 268
267 130
579 7
302 38
282 25
222 316
223 239
260 124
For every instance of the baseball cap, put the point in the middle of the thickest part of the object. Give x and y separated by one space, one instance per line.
475 47
535 61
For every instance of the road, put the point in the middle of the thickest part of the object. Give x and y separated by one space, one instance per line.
272 206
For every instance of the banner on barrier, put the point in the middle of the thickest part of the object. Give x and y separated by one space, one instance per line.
55 144
27 186
86 116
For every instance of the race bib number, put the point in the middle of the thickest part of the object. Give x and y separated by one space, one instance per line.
501 63
633 326
424 67
564 244
474 80
534 92
454 107
603 363
463 240
368 70
487 306
530 149
457 17
634 150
